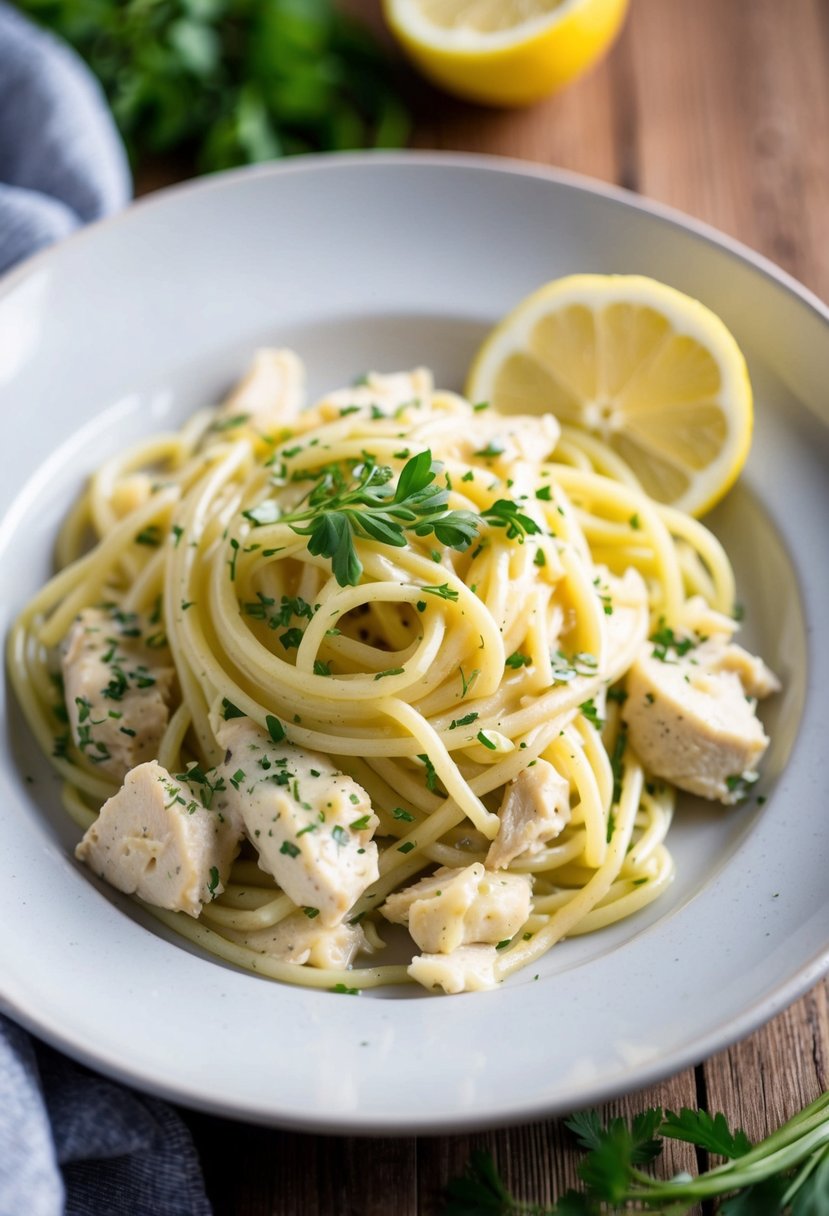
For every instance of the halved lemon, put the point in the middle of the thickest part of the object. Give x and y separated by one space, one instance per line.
653 373
504 52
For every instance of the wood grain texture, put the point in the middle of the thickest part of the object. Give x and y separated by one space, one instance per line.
721 110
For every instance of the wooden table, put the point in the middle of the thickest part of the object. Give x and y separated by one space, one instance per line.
721 109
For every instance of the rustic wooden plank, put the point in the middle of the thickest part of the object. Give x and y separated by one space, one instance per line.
733 106
277 1173
768 1077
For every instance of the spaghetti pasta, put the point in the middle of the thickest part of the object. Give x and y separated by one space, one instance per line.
441 602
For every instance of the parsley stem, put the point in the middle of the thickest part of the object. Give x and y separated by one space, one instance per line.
736 1175
810 1117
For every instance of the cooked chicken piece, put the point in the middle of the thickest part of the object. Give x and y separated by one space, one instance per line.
690 720
699 619
467 969
530 438
387 392
117 683
156 839
302 941
756 678
535 808
454 908
270 395
311 825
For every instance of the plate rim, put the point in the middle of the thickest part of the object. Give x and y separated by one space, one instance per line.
490 162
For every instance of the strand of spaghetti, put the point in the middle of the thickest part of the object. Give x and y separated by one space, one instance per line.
351 598
169 749
648 841
603 459
264 917
448 815
245 897
263 669
623 501
148 585
695 573
305 705
564 921
586 606
596 757
567 756
272 968
90 570
181 562
444 766
573 455
385 798
627 898
552 857
70 541
711 552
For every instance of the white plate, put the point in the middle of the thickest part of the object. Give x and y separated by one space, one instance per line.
386 261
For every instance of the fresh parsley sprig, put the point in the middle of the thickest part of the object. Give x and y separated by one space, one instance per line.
787 1174
336 511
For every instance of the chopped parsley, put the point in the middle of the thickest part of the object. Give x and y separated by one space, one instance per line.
588 708
444 592
275 728
667 644
431 775
517 660
467 684
150 536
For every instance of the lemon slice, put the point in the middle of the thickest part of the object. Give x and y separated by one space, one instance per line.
648 370
504 52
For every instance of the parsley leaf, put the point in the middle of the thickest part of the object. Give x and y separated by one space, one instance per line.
506 514
706 1131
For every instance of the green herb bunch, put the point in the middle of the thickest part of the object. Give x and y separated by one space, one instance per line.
787 1174
231 82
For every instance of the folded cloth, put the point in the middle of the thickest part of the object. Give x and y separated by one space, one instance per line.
61 161
70 1141
74 1143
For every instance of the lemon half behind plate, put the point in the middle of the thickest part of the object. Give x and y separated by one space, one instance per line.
504 52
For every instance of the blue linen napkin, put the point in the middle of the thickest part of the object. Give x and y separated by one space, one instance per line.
61 161
71 1142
